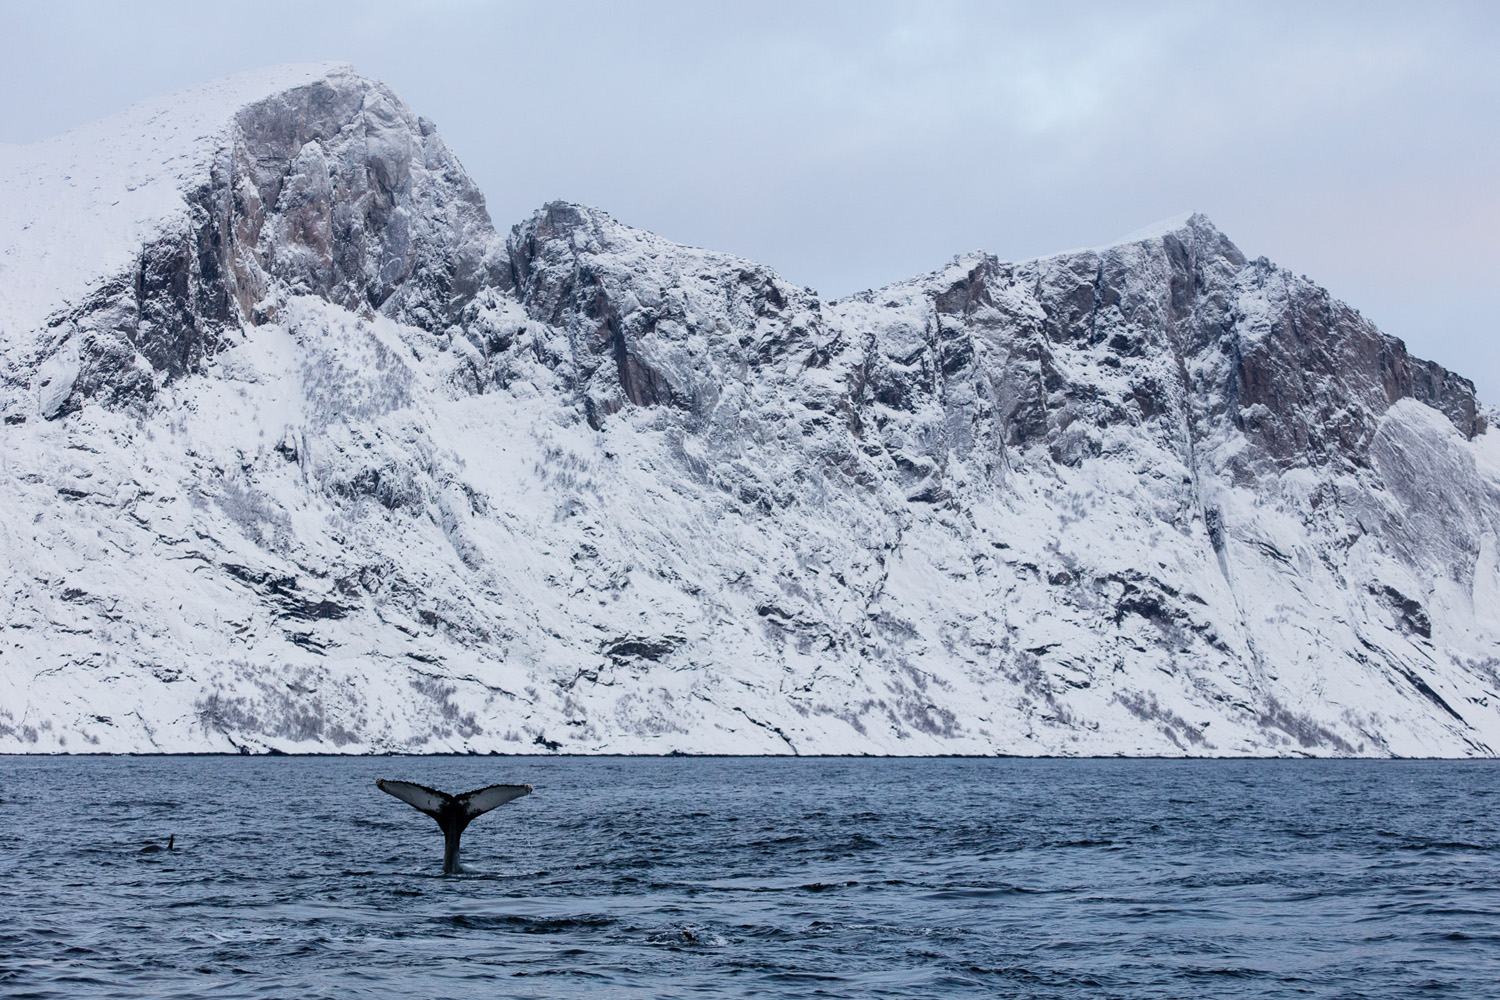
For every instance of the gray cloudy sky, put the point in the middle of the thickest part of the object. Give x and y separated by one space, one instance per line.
852 144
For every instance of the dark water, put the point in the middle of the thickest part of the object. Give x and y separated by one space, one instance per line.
769 878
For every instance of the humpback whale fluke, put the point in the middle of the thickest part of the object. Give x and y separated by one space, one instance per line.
452 812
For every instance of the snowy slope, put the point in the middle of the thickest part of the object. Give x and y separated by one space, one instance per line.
300 453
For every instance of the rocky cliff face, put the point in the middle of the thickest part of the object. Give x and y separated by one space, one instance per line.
332 189
325 463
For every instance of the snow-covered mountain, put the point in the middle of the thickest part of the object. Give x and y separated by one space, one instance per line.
299 453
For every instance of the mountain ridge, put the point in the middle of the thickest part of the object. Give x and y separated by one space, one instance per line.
331 464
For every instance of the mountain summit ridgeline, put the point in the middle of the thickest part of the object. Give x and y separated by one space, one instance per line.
300 453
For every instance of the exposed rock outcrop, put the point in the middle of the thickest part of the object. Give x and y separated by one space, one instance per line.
332 189
324 462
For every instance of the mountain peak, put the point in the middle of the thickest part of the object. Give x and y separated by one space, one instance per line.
223 97
1161 227
79 205
313 459
1193 227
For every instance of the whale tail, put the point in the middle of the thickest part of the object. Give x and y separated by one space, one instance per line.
452 812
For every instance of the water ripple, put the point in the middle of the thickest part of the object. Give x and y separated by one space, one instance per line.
739 878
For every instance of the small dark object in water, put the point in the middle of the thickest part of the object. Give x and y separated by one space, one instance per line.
154 848
452 812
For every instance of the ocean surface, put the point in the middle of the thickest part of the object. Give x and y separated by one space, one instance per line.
708 877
